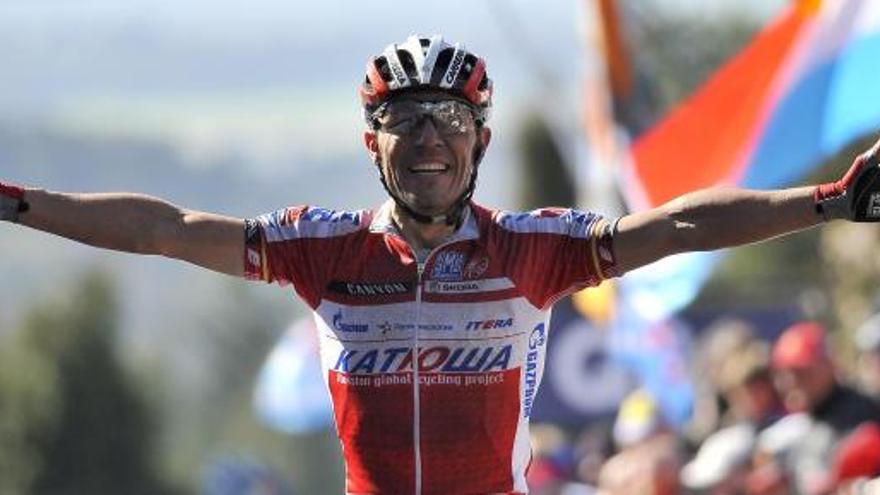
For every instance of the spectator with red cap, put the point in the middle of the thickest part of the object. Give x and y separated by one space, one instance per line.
807 381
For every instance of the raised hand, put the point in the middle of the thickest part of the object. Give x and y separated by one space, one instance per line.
856 196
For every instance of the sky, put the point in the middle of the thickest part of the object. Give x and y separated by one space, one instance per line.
272 80
321 14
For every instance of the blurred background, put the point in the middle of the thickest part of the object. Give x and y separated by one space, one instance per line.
121 374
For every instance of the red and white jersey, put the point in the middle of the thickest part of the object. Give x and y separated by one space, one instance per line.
432 368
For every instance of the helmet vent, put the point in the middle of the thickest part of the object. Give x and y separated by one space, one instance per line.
409 65
467 68
440 65
384 70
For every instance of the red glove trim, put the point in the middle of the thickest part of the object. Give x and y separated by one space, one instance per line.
12 191
829 190
832 189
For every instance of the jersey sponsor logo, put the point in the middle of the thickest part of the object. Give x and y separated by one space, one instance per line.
387 326
448 266
286 217
370 289
529 216
425 379
254 258
476 268
580 217
252 232
341 326
438 358
546 220
466 287
873 209
454 67
537 339
576 216
452 287
332 216
399 73
290 216
488 324
283 217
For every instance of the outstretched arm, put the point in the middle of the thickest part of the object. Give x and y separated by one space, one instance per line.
712 219
724 217
132 223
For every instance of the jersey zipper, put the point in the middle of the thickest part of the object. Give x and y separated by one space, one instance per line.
417 434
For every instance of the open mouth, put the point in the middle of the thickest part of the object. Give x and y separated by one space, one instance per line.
429 168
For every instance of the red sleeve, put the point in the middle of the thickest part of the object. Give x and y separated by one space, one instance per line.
299 246
551 253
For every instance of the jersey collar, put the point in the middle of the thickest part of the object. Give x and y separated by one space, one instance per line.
382 224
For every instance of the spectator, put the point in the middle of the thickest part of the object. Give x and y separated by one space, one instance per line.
807 383
650 457
650 468
806 379
867 339
857 457
746 384
722 464
768 476
552 470
551 459
592 448
723 338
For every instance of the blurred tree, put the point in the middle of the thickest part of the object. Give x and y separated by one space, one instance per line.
217 420
243 335
546 180
28 406
674 53
72 419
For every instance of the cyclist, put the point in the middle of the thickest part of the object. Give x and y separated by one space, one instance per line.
431 308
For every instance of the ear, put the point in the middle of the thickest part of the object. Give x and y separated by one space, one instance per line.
372 144
483 139
485 136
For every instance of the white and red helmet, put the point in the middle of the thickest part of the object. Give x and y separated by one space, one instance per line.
427 63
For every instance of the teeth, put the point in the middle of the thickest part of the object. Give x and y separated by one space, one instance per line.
429 167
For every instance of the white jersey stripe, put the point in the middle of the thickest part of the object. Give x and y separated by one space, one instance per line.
311 223
550 221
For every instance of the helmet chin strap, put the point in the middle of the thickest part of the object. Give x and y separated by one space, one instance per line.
454 215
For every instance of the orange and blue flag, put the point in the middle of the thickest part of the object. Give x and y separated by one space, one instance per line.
800 92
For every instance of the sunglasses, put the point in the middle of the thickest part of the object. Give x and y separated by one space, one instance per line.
403 118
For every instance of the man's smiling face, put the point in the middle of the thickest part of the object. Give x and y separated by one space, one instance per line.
427 161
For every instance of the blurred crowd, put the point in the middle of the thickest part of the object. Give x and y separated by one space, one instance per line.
787 416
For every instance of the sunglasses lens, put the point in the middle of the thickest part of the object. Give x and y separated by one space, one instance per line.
450 118
454 116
